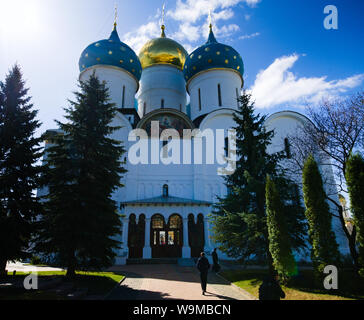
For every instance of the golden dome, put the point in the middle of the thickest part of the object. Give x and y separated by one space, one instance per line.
162 51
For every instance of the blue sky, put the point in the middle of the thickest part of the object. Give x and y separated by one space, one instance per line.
290 58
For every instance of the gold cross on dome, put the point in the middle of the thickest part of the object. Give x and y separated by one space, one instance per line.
116 15
163 12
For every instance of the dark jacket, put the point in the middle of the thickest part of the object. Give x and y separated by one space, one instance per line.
215 258
271 290
203 264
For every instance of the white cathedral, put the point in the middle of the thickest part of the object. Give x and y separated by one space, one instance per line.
166 207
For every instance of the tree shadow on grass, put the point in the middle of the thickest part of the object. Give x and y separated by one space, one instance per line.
350 285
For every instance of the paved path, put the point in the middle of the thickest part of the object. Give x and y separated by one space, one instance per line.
157 282
21 267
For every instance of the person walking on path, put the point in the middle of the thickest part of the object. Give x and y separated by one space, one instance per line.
203 266
271 290
215 267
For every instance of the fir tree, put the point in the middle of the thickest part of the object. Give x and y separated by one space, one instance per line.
19 173
279 240
355 181
239 219
322 238
83 170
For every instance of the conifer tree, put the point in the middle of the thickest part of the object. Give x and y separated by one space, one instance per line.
355 181
322 238
80 221
239 219
19 172
279 240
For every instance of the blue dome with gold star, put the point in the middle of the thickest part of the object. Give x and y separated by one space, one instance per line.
111 52
212 55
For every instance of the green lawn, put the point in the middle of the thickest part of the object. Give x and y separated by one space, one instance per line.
301 287
97 283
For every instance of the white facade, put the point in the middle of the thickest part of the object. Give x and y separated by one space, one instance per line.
191 188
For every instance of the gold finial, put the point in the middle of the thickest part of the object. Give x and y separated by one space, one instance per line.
163 34
116 15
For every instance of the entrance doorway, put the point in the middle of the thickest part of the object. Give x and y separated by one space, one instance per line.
166 238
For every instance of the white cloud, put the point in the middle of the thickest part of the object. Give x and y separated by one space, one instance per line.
192 20
277 85
193 16
136 39
249 36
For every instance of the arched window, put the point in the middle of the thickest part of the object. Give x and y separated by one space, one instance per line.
287 148
237 97
199 100
165 190
226 147
219 94
157 221
123 101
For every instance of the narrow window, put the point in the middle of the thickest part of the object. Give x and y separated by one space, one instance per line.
162 104
199 100
219 94
180 107
226 146
237 97
229 190
144 108
287 148
165 190
123 102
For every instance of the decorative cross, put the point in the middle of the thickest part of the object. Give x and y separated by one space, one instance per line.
210 19
163 13
116 14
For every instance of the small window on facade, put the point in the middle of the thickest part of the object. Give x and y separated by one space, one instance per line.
199 100
123 101
180 107
144 108
165 190
287 148
237 97
162 104
226 146
219 94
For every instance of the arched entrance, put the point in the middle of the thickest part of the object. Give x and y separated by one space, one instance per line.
166 238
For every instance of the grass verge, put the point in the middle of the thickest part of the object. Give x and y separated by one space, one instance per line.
96 283
301 286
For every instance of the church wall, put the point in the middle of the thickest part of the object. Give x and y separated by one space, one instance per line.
285 124
207 84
